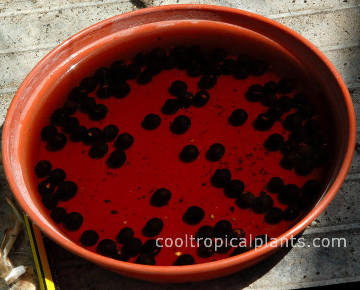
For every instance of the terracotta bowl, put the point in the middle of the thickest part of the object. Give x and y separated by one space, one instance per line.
136 31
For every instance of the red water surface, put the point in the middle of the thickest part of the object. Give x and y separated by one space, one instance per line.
110 199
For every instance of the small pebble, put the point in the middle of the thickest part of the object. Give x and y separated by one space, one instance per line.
215 152
183 260
234 188
153 227
193 215
238 117
124 141
89 238
180 124
189 153
116 159
160 197
151 122
221 178
42 168
185 100
229 66
299 100
73 221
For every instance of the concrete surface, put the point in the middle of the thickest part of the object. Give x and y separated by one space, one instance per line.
29 29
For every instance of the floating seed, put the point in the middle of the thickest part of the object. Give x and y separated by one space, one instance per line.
177 88
245 200
151 122
151 247
183 260
241 72
271 87
275 185
153 227
73 221
89 238
193 215
195 69
258 68
274 142
311 187
79 134
298 135
255 93
221 246
275 111
145 76
160 197
47 132
204 251
291 212
219 54
102 75
262 203
46 187
189 153
133 71
107 247
58 214
234 188
56 142
215 152
104 92
66 190
185 100
58 117
238 117
180 124
92 135
221 178
289 161
70 125
77 94
222 228
289 194
170 107
121 90
116 159
312 127
98 113
124 235
286 86
229 66
240 250
110 132
145 259
305 167
205 232
124 141
201 98
89 84
285 103
132 247
98 149
263 122
300 100
42 168
49 200
237 234
292 122
207 81
274 216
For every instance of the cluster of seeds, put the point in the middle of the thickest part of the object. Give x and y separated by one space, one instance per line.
304 150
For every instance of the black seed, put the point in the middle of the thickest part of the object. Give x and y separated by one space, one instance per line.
73 221
268 99
47 132
291 212
298 135
185 100
238 117
189 153
215 152
105 91
110 132
245 200
245 60
195 69
289 194
117 71
229 66
221 246
132 247
320 157
98 149
286 86
66 190
193 215
49 200
204 251
222 228
177 88
258 68
107 247
87 104
234 188
79 134
240 250
124 235
77 94
221 178
205 232
237 234
56 142
151 122
153 227
42 168
275 111
285 103
116 159
102 75
292 122
58 117
121 90
170 107
98 113
46 187
306 112
201 98
254 93
92 135
124 141
183 260
180 124
311 187
70 107
262 203
207 81
312 127
58 214
305 167
274 142
70 125
287 162
89 84
289 147
306 201
121 257
133 71
158 54
89 238
263 122
271 87
151 247
241 72
160 197
275 185
145 259
299 100
274 216
219 54
140 59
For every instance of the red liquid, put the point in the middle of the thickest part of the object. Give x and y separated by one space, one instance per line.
110 199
